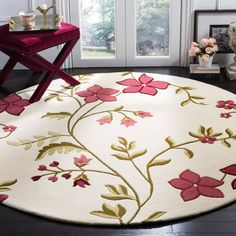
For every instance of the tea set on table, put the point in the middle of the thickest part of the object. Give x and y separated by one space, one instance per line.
30 21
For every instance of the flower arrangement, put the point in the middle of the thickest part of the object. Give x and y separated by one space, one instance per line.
205 48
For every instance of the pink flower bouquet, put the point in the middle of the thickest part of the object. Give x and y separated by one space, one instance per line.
205 48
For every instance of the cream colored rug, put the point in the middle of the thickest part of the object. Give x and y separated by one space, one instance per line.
120 148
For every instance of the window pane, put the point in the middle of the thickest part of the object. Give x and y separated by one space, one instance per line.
98 28
152 29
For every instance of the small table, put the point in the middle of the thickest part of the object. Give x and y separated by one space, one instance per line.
23 47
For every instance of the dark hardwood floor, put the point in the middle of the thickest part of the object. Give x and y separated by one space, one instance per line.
13 222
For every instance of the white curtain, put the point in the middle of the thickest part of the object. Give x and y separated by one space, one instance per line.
187 22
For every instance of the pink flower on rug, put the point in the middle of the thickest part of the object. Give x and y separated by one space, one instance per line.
128 122
13 104
66 175
42 168
105 120
54 164
53 178
81 161
225 115
9 128
36 178
81 183
193 186
96 92
3 197
143 114
207 139
229 104
144 84
230 170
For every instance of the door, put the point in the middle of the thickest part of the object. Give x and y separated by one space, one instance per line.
117 33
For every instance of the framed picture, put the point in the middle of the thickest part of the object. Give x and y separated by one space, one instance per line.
215 23
220 33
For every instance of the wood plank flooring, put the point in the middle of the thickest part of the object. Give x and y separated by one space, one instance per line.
12 222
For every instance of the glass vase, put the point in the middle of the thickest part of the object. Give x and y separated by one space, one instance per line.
204 63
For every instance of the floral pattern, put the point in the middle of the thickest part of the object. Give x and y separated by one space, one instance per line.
227 105
96 93
193 186
144 84
13 104
5 187
117 164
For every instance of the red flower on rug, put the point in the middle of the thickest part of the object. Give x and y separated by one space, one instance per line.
105 120
53 178
3 197
225 115
9 128
81 161
229 104
144 84
143 114
54 164
36 178
193 186
207 139
128 122
230 170
13 104
96 92
81 183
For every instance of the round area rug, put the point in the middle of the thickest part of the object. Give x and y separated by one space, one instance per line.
120 148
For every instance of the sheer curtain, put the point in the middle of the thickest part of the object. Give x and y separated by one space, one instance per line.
187 19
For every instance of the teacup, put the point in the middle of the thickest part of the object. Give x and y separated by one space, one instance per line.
27 19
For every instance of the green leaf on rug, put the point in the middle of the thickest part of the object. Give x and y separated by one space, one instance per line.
118 148
188 88
120 193
8 183
110 212
127 146
60 148
121 157
188 153
54 95
126 73
159 163
4 189
197 97
122 141
179 91
138 154
118 108
13 143
57 115
170 141
154 216
184 103
131 146
229 132
226 143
